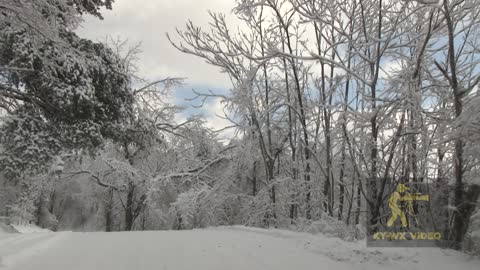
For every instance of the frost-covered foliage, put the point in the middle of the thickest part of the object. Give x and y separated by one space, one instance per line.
468 126
61 92
330 94
30 142
191 209
61 97
43 17
23 209
132 187
81 80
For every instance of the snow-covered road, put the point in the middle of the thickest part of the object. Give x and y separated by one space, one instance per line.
222 248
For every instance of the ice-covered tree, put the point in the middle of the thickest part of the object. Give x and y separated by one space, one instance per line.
66 91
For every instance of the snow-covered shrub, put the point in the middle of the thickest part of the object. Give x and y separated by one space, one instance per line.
23 211
472 241
191 210
332 227
258 211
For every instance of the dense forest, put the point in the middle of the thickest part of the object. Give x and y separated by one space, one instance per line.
324 97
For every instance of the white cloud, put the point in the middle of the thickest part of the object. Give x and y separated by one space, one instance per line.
390 68
215 118
148 21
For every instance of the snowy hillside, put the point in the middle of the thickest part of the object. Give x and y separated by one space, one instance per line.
215 248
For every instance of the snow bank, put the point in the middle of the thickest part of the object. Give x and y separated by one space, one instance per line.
30 228
356 253
331 227
6 229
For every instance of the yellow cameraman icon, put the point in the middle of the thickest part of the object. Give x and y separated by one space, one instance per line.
396 197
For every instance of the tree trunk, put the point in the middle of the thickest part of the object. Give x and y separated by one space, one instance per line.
254 179
359 203
109 211
129 208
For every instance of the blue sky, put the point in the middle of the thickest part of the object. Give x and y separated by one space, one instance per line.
210 107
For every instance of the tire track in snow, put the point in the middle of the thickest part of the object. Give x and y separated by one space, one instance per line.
28 247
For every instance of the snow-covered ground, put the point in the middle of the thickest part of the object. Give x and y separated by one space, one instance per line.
224 248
